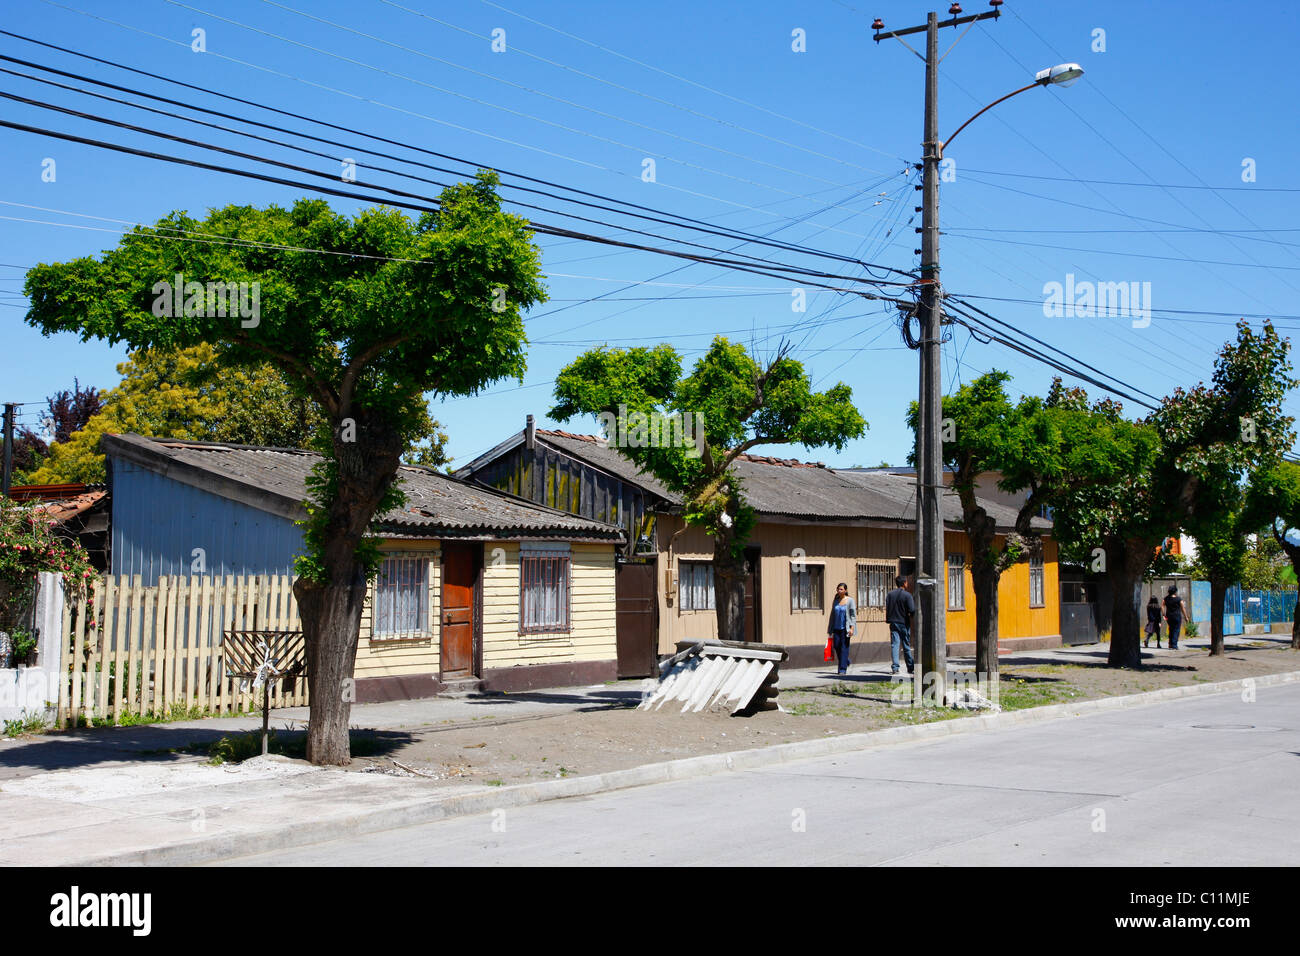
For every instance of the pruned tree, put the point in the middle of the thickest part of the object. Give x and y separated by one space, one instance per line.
734 403
1126 486
1273 501
985 433
365 315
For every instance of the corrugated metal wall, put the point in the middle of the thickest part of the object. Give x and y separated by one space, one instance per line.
157 524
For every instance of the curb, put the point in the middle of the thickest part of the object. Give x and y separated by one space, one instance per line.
430 810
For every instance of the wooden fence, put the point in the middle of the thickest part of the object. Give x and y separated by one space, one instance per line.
157 650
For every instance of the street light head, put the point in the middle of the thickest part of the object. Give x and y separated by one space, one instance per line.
1063 74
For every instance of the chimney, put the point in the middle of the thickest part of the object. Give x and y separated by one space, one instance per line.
530 433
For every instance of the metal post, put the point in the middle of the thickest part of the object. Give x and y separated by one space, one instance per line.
8 469
930 554
266 713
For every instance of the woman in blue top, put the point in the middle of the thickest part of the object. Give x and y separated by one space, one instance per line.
844 618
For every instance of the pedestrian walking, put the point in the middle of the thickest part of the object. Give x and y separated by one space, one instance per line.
844 618
899 608
1174 616
1153 622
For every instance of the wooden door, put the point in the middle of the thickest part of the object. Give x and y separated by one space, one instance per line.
636 620
459 574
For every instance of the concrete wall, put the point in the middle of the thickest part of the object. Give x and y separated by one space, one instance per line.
35 690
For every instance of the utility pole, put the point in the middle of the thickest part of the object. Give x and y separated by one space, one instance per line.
9 449
930 556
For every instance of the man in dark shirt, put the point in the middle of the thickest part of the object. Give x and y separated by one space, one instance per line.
1174 616
899 608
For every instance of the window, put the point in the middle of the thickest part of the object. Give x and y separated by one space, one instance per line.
873 584
807 583
956 582
401 603
543 592
1036 581
695 586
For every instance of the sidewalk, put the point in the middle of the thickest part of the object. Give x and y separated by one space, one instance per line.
116 796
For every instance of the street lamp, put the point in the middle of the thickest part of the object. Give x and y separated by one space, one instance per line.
1063 74
930 551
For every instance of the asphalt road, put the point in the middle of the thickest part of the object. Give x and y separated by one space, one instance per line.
1202 782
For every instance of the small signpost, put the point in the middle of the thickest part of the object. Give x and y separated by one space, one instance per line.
264 656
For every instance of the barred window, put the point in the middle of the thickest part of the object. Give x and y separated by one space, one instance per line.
956 582
543 592
873 584
1036 581
401 602
695 586
807 584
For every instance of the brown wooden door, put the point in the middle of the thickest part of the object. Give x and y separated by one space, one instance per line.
636 619
753 605
459 573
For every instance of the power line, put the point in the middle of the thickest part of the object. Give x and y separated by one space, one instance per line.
467 162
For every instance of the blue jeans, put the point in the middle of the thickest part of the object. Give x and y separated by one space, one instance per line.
840 640
1175 629
900 634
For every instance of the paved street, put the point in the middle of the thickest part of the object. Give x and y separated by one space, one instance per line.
1202 782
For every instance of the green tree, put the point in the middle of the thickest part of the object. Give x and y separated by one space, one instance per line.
184 393
1126 486
389 311
735 404
985 433
1273 497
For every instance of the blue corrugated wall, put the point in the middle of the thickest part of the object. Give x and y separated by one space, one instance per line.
157 524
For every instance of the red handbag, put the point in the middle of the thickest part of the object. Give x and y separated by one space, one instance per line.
829 655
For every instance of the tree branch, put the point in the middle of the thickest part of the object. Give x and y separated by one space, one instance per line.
320 388
353 371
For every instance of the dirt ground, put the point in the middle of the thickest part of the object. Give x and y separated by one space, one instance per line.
501 753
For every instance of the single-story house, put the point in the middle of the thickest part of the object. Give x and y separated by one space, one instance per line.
478 588
817 526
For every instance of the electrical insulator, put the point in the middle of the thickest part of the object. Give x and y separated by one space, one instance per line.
878 24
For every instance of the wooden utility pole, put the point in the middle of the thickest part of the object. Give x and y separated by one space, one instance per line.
7 474
930 556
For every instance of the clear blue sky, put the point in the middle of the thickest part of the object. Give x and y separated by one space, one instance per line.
745 132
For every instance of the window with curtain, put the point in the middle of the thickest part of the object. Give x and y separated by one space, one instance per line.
695 585
1036 578
543 592
401 597
807 585
873 584
956 582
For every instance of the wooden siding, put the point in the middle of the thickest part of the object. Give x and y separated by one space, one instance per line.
591 610
840 550
552 478
1015 617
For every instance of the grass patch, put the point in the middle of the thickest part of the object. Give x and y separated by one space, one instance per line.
1016 694
27 723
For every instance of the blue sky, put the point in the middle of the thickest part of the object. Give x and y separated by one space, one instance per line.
1134 174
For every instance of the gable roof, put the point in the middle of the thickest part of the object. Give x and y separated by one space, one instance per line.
275 480
779 487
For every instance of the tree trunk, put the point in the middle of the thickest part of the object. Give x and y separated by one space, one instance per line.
367 457
331 620
985 578
1218 600
1295 626
1125 562
728 589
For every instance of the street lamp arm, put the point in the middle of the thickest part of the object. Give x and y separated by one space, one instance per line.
945 142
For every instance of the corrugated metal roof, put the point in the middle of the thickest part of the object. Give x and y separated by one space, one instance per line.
714 675
437 505
785 487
